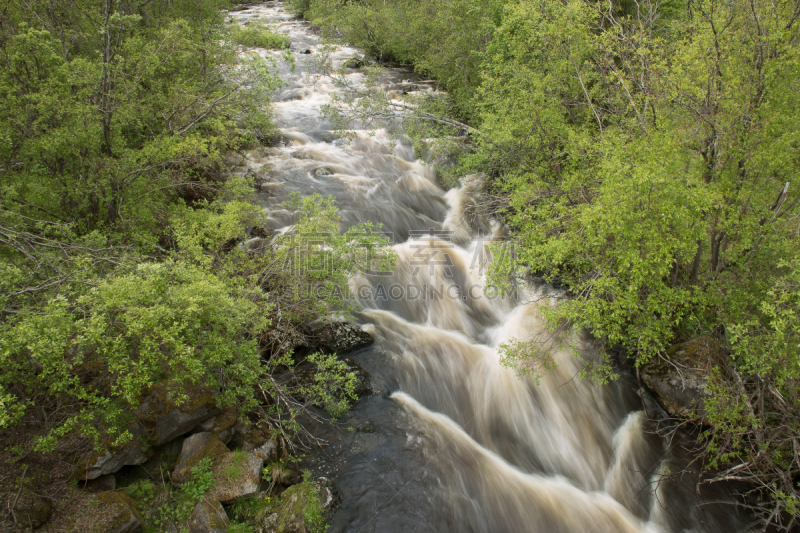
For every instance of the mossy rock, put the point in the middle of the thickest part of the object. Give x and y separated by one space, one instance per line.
124 510
166 417
236 475
299 510
209 517
195 448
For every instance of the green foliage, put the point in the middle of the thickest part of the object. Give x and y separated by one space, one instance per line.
201 482
333 387
259 36
442 39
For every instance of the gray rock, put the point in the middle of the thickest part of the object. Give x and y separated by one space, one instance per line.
236 475
340 337
224 425
195 448
209 517
266 450
166 420
111 460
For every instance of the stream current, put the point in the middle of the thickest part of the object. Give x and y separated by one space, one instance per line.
451 440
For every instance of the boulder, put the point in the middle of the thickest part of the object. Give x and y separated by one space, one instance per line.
167 418
125 514
680 381
209 517
340 337
112 459
322 172
195 448
251 437
299 510
223 424
236 475
266 450
31 510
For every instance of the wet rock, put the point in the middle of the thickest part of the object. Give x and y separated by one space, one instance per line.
340 337
126 517
224 425
112 459
209 517
681 382
195 448
31 511
166 419
236 475
330 495
354 62
322 172
363 383
290 96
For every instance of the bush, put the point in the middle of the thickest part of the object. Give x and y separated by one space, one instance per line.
259 36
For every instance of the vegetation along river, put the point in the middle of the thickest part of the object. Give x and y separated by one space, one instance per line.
450 439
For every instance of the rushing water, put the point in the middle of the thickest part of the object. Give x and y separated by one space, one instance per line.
452 440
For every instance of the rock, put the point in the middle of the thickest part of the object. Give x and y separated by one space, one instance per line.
330 495
340 337
224 425
102 484
195 448
236 475
126 517
306 51
251 437
680 384
289 96
354 62
31 510
322 172
209 517
166 419
280 340
266 450
363 383
112 459
256 244
299 510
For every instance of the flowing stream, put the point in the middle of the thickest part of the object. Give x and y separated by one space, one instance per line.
451 440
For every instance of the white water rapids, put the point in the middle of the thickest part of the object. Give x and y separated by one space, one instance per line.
454 441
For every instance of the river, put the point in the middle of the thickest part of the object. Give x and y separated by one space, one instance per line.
451 440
